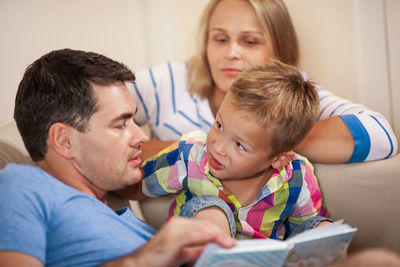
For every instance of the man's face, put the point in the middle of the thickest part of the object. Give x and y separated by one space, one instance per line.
108 153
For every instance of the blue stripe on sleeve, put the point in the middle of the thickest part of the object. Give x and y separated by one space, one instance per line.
189 119
323 97
156 97
171 75
347 109
199 115
388 136
323 110
206 122
173 129
141 100
333 111
362 141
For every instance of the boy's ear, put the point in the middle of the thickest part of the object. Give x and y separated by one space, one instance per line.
282 159
59 139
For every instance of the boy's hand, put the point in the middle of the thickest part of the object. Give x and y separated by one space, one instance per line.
132 192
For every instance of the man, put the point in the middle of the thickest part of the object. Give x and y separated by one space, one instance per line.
75 116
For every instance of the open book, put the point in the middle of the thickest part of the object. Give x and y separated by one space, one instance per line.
316 247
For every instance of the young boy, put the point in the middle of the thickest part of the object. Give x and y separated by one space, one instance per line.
246 159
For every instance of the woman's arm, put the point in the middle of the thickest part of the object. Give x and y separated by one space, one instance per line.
347 132
329 141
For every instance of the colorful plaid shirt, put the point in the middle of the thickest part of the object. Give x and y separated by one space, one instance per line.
290 197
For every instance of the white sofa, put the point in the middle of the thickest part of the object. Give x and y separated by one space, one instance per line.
365 195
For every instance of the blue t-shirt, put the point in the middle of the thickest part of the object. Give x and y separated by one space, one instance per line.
43 217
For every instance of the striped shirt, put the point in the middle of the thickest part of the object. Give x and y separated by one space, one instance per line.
165 104
290 196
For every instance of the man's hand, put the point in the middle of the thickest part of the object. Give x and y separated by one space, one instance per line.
179 241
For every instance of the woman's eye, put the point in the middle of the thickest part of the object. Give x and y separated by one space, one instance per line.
221 40
250 41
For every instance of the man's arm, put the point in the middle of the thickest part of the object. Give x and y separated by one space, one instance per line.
179 241
12 258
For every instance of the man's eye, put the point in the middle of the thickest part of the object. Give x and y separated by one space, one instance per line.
121 126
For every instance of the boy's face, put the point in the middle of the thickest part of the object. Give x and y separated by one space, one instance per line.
237 146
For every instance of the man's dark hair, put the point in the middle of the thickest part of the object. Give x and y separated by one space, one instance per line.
58 88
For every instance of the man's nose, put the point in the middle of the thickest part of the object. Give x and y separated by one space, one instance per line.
138 136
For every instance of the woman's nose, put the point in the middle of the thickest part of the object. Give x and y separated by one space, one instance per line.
233 51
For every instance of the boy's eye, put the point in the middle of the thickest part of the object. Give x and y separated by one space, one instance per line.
240 146
218 125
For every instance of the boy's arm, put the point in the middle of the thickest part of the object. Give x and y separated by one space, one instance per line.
133 192
215 215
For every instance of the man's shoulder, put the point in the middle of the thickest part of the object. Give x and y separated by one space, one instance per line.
18 173
32 183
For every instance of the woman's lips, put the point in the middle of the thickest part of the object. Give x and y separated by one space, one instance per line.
215 164
231 72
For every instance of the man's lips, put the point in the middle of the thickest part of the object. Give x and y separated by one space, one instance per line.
136 161
215 164
231 71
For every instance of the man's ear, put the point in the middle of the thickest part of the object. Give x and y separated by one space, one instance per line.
282 159
60 139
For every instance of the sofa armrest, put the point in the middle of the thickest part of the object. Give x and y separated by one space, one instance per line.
365 195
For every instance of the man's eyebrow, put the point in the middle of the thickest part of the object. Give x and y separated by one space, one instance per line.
123 116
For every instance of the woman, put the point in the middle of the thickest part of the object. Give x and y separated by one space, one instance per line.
176 98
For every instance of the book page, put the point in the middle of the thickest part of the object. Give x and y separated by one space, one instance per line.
249 253
316 247
320 246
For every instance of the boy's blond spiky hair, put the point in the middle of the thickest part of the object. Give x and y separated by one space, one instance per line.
277 96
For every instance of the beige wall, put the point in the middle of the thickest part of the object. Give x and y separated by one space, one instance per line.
29 29
350 47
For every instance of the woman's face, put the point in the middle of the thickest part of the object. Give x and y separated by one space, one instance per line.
235 42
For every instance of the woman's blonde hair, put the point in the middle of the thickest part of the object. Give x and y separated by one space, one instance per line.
279 31
277 97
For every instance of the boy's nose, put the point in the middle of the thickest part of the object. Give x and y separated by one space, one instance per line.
219 147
